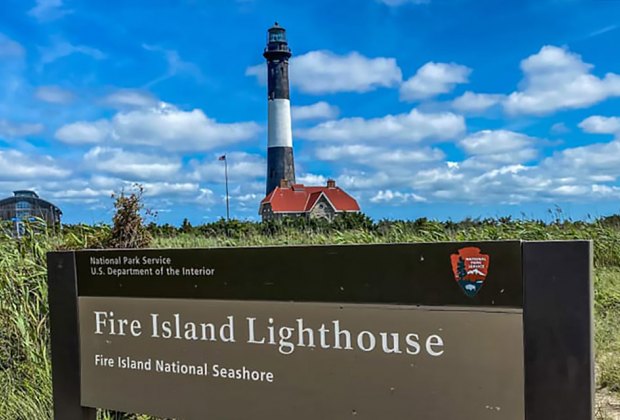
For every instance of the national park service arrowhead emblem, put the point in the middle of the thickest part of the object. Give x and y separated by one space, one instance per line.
470 269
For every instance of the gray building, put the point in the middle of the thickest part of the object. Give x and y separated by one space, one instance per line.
26 206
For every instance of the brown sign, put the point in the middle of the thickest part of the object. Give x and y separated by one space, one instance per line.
468 331
197 359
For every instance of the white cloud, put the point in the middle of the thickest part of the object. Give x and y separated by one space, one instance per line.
319 110
493 142
411 127
599 159
46 10
433 79
320 72
555 79
205 196
606 191
476 102
167 192
98 189
437 178
377 156
54 95
496 170
325 72
365 180
165 127
311 179
241 167
259 71
85 194
250 198
173 189
500 167
247 202
387 196
131 98
601 125
133 165
574 173
61 48
559 128
82 132
10 129
10 48
570 190
19 166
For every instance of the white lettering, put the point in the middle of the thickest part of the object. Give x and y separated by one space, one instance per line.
434 340
251 335
413 347
99 322
371 341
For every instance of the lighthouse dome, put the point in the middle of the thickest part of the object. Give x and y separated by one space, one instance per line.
276 33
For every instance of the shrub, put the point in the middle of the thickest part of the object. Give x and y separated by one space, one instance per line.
128 230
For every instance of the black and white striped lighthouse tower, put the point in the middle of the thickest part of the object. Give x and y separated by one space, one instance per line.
280 163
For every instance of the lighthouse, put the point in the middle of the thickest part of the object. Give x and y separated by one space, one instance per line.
280 164
284 197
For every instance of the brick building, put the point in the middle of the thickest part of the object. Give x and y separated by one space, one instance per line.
297 200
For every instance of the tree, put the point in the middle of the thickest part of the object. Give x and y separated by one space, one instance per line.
186 226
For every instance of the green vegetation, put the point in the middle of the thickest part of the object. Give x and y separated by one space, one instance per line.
25 370
25 379
607 330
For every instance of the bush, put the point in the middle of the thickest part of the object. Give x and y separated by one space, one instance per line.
128 230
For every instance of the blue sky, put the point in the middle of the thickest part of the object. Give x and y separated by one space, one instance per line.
438 108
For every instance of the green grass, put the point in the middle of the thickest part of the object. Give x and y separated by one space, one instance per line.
25 369
607 328
25 378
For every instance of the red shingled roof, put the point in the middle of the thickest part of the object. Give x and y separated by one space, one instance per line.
299 198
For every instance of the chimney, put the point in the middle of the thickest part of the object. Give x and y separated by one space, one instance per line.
331 183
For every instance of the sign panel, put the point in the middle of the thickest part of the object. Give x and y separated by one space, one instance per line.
235 359
486 330
315 332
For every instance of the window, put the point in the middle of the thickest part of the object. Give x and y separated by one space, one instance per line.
277 36
23 209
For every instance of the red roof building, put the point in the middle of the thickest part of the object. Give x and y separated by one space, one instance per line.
312 202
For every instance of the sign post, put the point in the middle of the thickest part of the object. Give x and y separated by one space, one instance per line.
485 330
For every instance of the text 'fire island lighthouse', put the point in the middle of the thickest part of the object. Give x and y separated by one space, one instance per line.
284 196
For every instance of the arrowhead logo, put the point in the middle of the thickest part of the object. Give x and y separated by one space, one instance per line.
470 269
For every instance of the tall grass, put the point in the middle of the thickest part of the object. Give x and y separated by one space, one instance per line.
606 237
607 330
25 371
